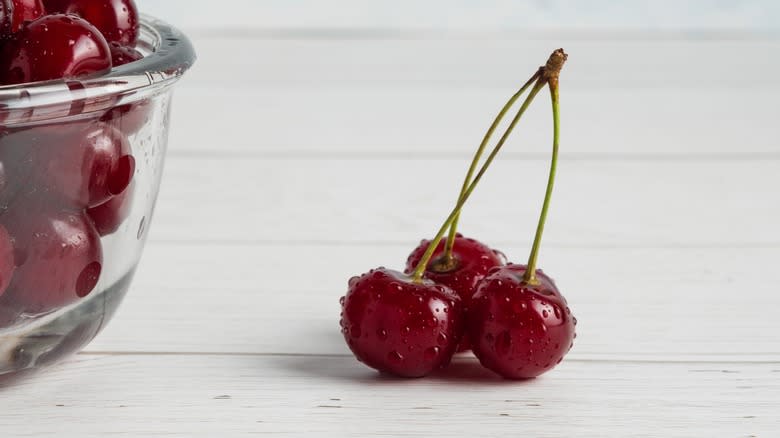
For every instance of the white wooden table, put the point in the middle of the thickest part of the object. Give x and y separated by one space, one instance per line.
297 161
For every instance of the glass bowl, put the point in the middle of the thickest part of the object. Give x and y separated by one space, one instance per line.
80 167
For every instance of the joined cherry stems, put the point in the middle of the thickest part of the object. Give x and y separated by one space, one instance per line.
546 75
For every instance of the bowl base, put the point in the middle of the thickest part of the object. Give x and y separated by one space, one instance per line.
43 344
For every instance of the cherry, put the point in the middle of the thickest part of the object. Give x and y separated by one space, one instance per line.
121 55
7 265
25 11
54 47
107 217
519 323
517 329
6 18
468 264
88 166
116 19
57 253
399 326
128 118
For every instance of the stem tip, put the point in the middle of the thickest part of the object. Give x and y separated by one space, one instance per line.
554 65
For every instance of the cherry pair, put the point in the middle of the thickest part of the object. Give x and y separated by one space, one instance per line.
460 292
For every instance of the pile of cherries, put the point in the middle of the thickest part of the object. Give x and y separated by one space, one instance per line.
460 294
62 185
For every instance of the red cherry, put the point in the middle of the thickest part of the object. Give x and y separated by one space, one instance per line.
471 262
516 329
7 265
58 257
397 326
25 11
108 216
116 19
131 117
121 55
88 166
55 47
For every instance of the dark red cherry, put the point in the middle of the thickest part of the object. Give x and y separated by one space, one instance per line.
88 166
516 329
397 326
108 216
54 47
6 15
121 55
25 11
57 253
116 19
471 261
7 265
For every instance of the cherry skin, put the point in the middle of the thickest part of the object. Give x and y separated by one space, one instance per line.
25 11
107 217
6 15
121 55
471 262
519 330
54 47
89 166
117 20
400 327
7 265
57 253
128 118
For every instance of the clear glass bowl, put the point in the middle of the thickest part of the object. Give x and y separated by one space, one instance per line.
80 167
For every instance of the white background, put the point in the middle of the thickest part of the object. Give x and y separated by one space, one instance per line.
486 15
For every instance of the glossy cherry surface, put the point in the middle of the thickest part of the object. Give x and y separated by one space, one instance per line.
400 327
88 166
516 329
54 47
108 216
25 11
121 55
116 19
471 262
57 253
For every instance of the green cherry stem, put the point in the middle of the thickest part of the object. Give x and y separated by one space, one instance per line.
477 157
552 79
420 268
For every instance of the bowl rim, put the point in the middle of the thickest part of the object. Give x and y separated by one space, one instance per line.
168 55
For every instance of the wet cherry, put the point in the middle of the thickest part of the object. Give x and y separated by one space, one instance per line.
398 326
15 13
121 55
89 166
519 323
54 47
107 217
519 330
58 257
468 265
117 20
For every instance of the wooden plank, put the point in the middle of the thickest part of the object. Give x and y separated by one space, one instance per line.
487 15
632 304
488 62
187 396
599 204
419 122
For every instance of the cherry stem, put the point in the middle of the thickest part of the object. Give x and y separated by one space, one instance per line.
420 268
488 135
530 273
